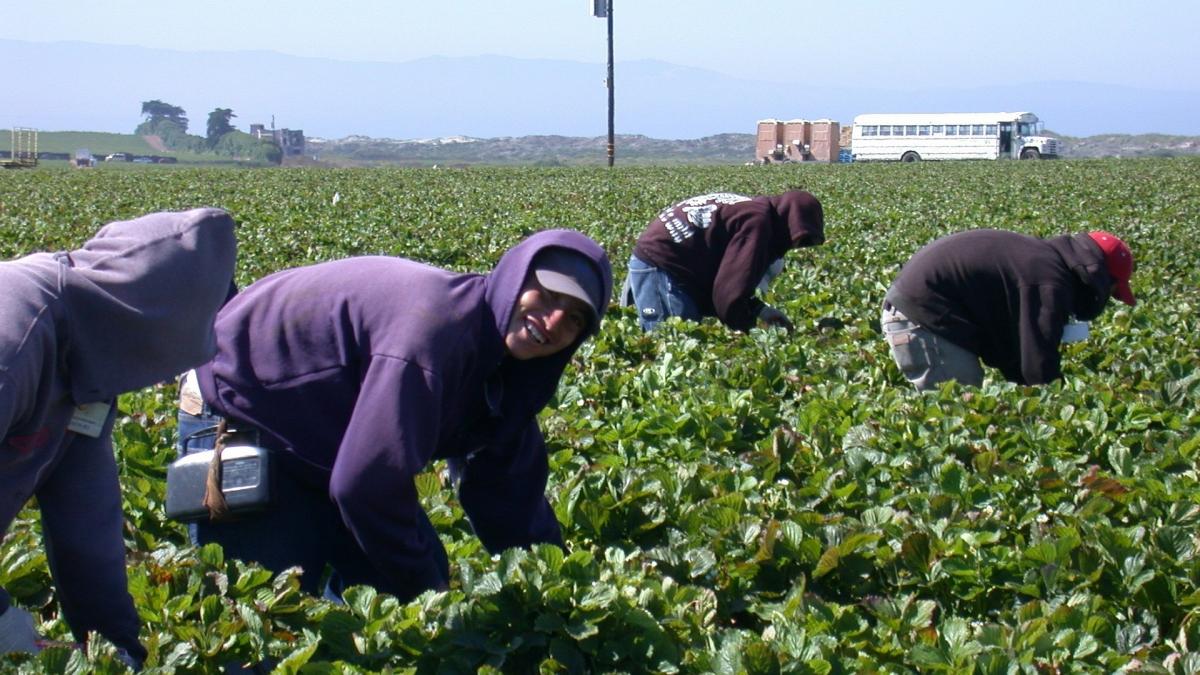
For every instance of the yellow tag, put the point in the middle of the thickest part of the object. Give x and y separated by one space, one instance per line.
89 418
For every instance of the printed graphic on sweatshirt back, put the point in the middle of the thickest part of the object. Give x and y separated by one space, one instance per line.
684 219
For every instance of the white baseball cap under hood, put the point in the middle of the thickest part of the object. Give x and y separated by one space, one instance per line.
563 271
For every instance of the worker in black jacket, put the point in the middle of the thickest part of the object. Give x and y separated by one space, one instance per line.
1002 298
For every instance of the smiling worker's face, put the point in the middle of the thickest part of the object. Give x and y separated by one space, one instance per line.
543 322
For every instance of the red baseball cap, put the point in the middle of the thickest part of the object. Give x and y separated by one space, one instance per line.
1119 262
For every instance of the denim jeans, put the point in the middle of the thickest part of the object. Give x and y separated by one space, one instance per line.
302 526
657 295
924 358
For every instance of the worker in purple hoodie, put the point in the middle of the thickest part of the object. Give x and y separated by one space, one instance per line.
133 306
708 255
357 373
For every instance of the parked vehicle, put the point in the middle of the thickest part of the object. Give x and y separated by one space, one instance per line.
117 157
83 159
911 137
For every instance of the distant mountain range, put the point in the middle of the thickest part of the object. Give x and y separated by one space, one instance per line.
76 86
529 151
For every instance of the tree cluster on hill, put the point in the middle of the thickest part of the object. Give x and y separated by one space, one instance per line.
158 112
169 123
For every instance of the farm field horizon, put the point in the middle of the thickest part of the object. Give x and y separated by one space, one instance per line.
732 503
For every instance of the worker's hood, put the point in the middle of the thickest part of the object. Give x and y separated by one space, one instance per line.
140 298
804 217
1093 283
530 384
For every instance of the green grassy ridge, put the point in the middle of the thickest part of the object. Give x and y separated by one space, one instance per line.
102 144
99 143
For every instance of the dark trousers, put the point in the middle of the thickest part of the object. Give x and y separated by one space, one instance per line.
302 526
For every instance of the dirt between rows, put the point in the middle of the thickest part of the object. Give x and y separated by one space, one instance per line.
155 142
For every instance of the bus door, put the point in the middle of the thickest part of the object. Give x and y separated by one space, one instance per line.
1006 139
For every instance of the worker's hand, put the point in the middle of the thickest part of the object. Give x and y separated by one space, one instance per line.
17 633
125 657
773 317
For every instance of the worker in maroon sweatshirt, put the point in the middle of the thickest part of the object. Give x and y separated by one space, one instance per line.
1003 298
709 255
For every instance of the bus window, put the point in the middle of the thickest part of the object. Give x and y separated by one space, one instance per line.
923 130
964 130
897 130
910 130
885 130
937 129
977 130
869 130
991 130
951 130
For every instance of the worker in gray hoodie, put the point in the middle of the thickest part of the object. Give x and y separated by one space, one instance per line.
132 307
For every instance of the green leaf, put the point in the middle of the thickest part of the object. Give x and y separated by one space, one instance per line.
828 562
916 552
599 596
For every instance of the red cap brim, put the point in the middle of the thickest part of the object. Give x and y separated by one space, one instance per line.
1124 293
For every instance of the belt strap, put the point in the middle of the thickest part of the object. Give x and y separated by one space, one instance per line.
214 499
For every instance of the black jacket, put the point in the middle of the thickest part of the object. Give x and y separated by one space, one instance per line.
1004 296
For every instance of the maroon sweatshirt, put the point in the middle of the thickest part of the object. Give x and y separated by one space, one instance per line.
717 246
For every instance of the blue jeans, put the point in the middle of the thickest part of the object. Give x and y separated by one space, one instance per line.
657 295
925 358
302 526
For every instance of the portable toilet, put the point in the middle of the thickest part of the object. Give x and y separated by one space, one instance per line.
796 139
770 135
824 140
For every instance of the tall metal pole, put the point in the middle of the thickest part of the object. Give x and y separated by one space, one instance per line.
611 135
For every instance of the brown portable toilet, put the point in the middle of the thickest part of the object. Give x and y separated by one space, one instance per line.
796 139
824 140
770 135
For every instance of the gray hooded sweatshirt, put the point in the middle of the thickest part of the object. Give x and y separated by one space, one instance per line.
133 307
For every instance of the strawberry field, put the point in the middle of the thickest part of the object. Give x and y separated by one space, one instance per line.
733 503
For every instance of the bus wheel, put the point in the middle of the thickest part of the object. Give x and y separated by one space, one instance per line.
1030 153
910 156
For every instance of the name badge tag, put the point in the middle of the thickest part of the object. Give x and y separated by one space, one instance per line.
89 418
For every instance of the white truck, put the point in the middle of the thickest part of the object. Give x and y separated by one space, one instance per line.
911 137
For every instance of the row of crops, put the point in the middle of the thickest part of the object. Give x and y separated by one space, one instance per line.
733 503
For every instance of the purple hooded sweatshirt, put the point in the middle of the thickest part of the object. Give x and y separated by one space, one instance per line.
368 368
133 307
718 246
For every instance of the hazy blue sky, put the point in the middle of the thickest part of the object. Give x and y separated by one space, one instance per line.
897 44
